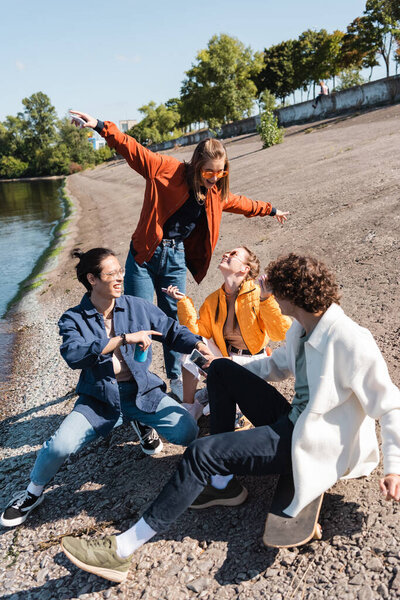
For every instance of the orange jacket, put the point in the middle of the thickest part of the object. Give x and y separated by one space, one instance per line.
259 321
166 191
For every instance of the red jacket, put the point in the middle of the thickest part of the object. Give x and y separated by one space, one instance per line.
166 191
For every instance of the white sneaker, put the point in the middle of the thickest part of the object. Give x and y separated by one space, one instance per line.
202 396
206 410
195 409
176 386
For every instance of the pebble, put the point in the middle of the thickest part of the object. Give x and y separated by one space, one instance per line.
395 584
198 585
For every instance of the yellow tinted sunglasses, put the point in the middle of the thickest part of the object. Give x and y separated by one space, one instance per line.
217 174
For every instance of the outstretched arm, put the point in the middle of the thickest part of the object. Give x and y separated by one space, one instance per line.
147 163
253 208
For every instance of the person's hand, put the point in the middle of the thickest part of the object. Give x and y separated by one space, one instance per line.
266 291
90 121
206 352
173 291
281 216
141 337
390 487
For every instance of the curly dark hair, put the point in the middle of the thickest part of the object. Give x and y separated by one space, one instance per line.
304 281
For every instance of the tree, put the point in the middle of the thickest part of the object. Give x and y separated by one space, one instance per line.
159 123
39 121
359 46
12 138
36 143
349 78
381 27
315 47
80 150
278 73
219 87
12 168
334 54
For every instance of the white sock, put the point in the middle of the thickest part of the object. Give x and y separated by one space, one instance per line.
220 481
34 489
133 538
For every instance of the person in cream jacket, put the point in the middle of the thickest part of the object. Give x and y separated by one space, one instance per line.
349 387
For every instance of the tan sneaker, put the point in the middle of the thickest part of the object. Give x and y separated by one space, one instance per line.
98 556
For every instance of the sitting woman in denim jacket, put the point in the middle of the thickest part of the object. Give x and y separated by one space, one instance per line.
108 337
237 320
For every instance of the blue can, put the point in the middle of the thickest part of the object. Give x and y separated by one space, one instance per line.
140 354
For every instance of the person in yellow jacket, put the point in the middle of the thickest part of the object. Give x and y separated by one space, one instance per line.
237 320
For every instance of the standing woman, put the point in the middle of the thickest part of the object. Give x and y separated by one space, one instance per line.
179 224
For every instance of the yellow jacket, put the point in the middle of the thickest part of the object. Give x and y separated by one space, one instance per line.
259 321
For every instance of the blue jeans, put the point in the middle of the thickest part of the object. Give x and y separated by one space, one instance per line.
170 419
166 267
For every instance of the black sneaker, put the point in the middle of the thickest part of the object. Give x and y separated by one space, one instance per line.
19 508
233 495
148 438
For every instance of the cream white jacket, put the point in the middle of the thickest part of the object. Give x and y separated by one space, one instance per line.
350 387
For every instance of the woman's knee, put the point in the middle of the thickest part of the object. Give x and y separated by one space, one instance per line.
184 432
218 368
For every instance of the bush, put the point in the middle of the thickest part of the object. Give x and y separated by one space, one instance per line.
103 154
74 168
11 167
269 130
267 101
349 78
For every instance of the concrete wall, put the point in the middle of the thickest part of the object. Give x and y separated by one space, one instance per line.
376 93
248 125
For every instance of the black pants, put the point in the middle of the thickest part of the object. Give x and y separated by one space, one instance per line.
260 451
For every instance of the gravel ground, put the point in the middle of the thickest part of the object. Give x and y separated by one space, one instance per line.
339 179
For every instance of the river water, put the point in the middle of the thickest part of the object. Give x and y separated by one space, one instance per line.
30 213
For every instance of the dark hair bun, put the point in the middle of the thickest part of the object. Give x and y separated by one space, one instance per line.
77 253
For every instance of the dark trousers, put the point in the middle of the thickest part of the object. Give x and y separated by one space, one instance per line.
260 451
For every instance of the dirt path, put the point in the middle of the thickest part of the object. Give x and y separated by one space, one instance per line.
339 179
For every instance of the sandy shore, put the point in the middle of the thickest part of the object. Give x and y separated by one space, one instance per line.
339 179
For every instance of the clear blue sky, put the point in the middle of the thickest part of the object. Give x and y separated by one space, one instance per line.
110 58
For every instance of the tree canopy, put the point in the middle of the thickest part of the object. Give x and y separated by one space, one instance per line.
36 142
219 86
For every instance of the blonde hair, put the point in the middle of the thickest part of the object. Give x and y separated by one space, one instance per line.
208 149
253 263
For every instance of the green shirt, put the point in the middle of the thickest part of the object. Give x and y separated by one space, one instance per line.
301 390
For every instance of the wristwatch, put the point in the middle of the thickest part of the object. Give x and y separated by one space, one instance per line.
123 336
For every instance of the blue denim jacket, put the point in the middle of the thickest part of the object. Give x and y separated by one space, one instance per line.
84 338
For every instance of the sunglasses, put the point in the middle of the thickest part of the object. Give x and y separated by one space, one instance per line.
217 174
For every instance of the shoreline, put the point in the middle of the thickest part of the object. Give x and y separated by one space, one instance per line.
28 179
26 302
34 280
